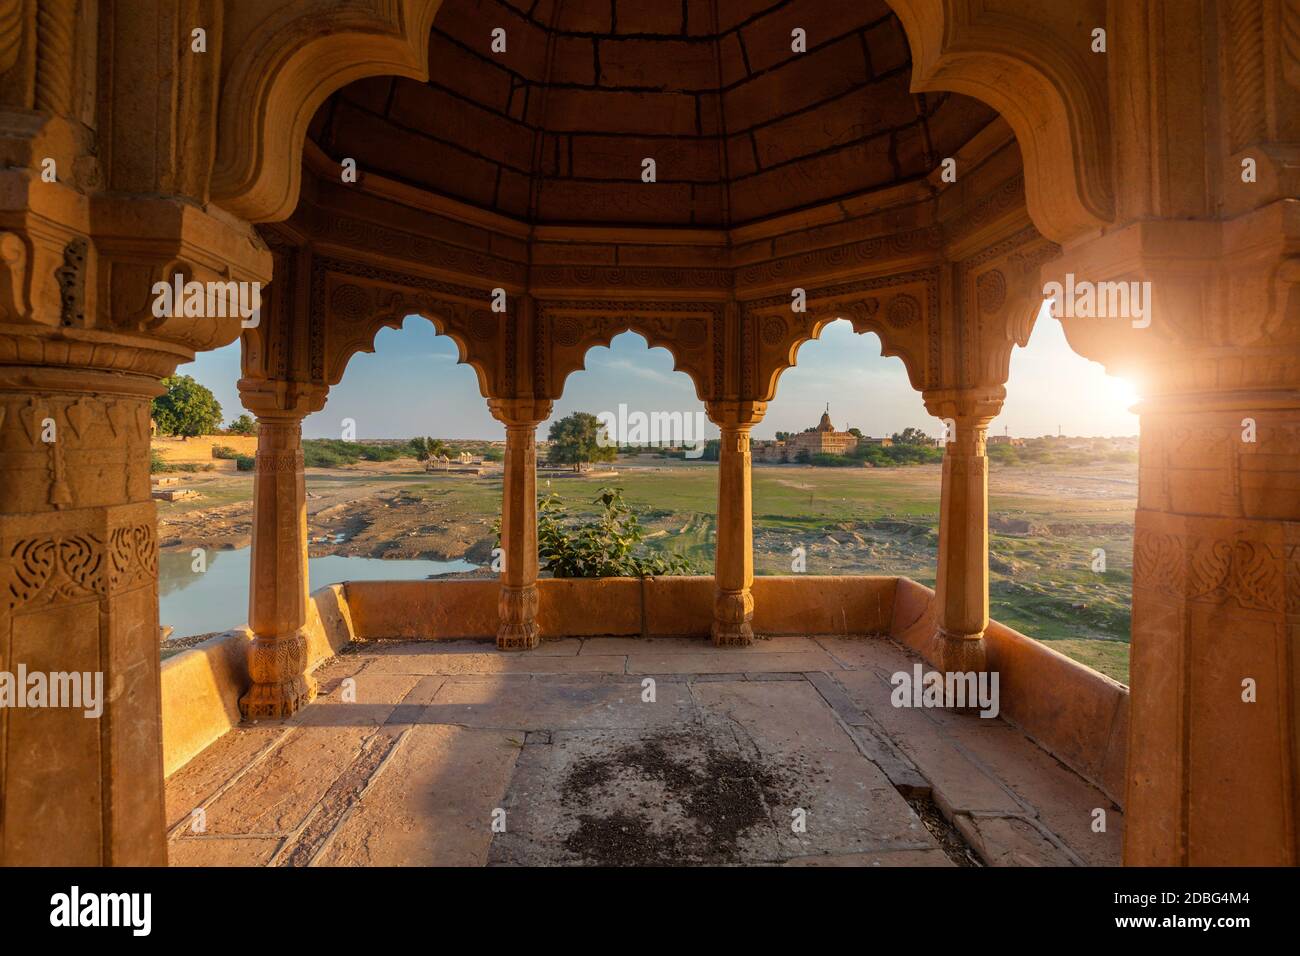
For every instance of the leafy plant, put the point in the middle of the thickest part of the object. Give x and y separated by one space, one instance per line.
224 452
245 462
243 425
186 409
606 547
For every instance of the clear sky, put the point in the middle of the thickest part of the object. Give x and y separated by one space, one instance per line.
411 385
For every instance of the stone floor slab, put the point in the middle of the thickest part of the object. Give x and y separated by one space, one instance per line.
432 802
733 661
222 851
491 663
570 703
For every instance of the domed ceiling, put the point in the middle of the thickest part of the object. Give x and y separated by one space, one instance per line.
555 129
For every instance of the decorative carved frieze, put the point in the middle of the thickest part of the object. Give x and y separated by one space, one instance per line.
1241 572
69 567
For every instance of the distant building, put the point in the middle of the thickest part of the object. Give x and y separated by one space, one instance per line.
820 440
1005 440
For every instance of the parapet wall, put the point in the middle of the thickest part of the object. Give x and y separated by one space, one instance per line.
1071 711
650 607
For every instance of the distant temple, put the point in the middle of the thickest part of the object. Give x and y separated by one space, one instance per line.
821 440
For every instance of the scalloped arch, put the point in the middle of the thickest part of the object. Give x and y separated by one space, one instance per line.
342 355
288 62
604 337
860 327
1054 98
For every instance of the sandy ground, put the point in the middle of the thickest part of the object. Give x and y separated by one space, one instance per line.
354 511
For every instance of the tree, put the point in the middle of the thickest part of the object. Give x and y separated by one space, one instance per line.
187 409
577 440
427 448
857 432
243 425
912 436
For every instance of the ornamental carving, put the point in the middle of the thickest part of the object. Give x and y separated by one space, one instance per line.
903 312
63 568
1248 574
774 330
351 302
991 291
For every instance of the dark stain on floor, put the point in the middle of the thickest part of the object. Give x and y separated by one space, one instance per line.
710 799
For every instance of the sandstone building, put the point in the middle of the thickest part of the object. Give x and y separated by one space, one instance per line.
822 439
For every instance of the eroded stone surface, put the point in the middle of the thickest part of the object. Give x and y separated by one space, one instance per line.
432 743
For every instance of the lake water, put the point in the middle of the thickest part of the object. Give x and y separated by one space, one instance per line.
217 598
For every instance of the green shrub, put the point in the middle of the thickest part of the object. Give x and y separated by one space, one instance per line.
602 548
244 462
224 452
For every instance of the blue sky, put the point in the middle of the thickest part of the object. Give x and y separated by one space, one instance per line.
411 385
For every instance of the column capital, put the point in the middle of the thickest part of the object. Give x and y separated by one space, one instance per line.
976 404
731 413
520 412
272 398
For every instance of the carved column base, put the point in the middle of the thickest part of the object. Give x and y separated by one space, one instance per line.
954 653
280 685
517 608
733 613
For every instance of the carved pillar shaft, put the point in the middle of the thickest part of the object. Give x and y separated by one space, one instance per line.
1213 746
278 585
517 604
733 563
962 581
82 764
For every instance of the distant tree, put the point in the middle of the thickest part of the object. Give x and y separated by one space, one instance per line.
912 436
243 425
857 432
784 436
427 448
575 441
186 409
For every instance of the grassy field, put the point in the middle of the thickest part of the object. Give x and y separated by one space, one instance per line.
1046 526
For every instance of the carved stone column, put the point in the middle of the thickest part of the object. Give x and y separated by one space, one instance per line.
733 560
82 781
1213 750
962 584
518 601
1213 769
278 584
